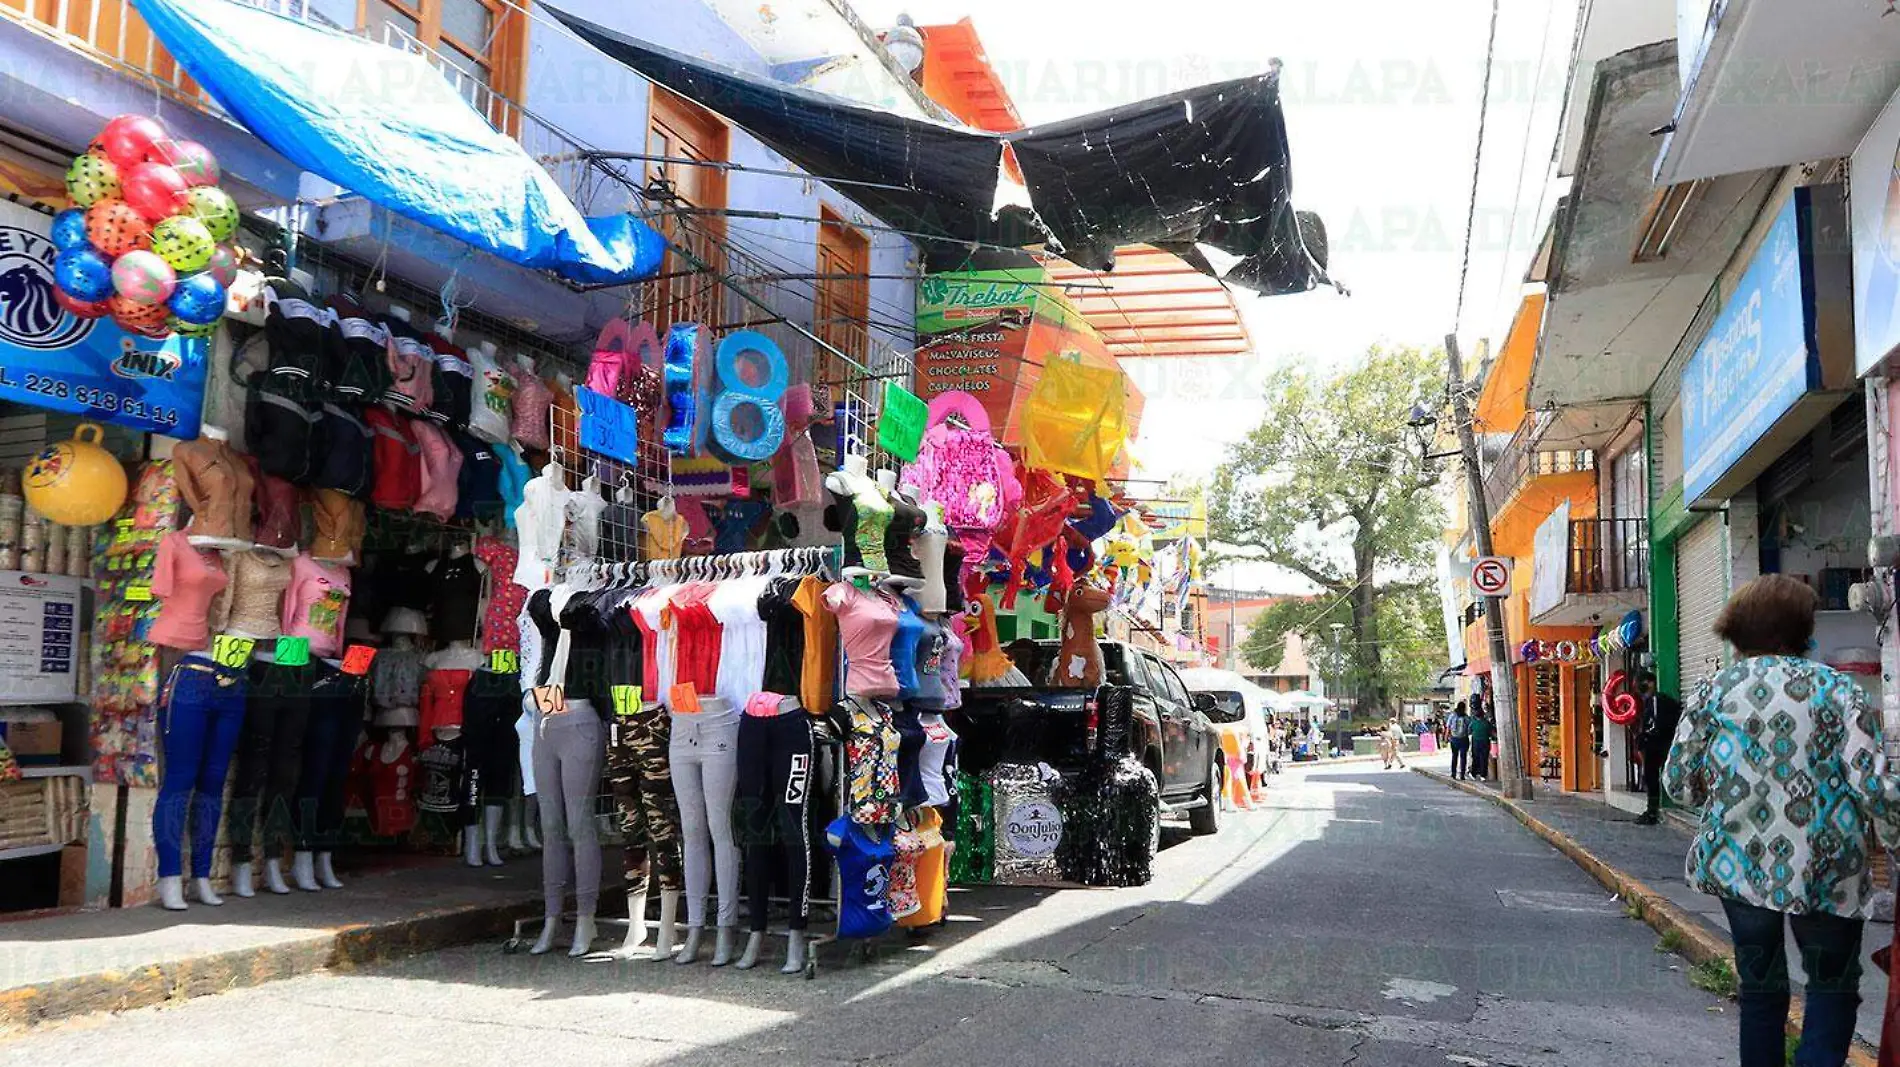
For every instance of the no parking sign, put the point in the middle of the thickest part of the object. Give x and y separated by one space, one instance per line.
1491 575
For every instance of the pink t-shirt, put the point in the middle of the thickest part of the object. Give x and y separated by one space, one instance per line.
441 469
867 624
185 584
316 603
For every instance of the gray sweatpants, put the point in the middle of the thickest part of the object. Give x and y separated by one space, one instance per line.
704 754
569 752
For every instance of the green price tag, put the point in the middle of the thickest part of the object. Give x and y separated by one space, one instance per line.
138 594
293 651
626 700
231 651
504 661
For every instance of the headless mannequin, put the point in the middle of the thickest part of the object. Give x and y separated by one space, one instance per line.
314 871
243 875
171 889
850 482
223 438
584 928
464 656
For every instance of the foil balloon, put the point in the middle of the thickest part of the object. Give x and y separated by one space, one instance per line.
143 278
1630 630
69 230
147 320
80 309
115 229
131 139
184 243
215 208
194 162
223 265
1619 705
92 178
197 300
83 274
154 190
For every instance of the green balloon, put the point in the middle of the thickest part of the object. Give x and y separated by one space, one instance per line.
189 329
183 242
215 208
91 179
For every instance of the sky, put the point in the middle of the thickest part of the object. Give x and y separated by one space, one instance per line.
1382 102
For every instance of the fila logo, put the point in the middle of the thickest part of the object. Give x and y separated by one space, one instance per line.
795 783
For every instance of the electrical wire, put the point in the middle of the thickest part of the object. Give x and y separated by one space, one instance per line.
1477 159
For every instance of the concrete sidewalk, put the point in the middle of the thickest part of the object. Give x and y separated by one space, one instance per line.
60 966
1651 857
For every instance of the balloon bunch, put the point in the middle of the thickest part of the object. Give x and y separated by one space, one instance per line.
146 240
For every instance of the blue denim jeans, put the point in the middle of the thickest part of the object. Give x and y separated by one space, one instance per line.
199 720
1830 954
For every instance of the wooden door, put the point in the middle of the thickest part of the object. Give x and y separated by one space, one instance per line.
681 130
843 300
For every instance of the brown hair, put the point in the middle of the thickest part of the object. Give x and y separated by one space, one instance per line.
1770 616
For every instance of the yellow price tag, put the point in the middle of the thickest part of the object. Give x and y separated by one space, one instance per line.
293 651
504 661
626 700
138 594
229 651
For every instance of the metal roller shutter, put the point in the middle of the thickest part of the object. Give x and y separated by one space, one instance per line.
1701 590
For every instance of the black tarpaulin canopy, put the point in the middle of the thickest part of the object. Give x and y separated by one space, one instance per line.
1206 166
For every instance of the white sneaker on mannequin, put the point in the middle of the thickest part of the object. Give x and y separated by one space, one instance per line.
171 893
244 880
201 888
274 877
326 871
303 871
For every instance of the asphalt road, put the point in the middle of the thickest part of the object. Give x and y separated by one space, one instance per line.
1368 918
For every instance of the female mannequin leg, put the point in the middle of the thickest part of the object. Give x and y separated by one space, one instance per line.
704 753
569 749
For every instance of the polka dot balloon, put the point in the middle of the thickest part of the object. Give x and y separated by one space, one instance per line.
183 242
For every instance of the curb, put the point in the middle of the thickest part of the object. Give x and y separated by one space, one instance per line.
1699 942
174 981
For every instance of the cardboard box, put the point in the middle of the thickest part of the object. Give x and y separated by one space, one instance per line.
34 744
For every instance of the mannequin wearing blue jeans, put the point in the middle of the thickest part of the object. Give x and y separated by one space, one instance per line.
199 721
1830 956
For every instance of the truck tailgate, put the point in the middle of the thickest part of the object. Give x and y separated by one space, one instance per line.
1024 725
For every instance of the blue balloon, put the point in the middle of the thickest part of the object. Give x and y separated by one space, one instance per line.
84 273
69 230
198 299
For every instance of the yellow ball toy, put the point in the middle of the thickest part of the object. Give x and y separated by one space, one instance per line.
76 482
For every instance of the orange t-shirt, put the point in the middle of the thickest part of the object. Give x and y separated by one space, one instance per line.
933 876
817 688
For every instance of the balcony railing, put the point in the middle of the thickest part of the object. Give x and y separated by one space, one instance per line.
1524 459
1608 556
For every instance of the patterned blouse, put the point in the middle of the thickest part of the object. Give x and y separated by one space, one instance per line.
1787 755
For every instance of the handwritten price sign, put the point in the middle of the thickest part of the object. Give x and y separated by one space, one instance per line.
608 426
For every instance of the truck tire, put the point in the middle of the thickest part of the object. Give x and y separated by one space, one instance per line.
1205 819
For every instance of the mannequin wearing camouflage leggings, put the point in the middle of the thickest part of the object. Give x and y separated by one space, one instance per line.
642 779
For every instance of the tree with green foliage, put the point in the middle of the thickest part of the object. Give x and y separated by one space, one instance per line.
1333 485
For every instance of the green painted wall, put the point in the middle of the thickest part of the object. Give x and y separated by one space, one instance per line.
1667 518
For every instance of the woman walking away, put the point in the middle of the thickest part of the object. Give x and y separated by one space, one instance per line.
1786 753
1458 727
1392 743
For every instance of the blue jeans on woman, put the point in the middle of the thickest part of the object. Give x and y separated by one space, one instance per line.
199 719
1830 955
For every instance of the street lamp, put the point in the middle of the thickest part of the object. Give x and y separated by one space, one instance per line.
1339 655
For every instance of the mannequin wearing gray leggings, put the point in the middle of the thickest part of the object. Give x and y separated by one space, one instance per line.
569 751
704 754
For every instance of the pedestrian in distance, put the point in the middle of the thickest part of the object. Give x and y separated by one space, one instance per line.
1458 729
1787 755
1392 743
1655 731
1479 723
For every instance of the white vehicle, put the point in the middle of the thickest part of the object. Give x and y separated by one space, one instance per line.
1244 707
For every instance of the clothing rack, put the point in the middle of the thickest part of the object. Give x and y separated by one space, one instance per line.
788 561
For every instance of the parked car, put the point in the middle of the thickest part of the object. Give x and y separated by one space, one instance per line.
1243 708
1171 733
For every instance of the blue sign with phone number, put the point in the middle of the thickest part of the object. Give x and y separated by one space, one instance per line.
50 359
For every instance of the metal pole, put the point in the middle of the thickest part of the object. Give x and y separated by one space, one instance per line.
1511 774
1233 632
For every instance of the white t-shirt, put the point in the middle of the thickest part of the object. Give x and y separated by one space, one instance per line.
742 637
493 405
934 597
538 523
939 742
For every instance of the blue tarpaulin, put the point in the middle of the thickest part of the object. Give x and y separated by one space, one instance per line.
385 124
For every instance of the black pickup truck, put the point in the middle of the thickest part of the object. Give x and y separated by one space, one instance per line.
1170 732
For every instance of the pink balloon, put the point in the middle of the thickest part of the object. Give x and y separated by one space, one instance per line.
144 278
193 161
223 265
131 139
154 190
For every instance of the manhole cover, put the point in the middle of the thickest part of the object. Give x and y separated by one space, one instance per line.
1546 900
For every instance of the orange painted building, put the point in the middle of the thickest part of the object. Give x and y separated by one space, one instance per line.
1525 484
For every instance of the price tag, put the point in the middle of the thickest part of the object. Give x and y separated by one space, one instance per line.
626 700
550 699
357 658
231 651
504 661
293 651
684 699
138 594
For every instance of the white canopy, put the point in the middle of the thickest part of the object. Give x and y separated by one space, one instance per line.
1300 698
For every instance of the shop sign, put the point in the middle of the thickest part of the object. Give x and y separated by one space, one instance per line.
1550 561
1034 828
608 427
1759 359
1874 201
50 359
39 626
972 329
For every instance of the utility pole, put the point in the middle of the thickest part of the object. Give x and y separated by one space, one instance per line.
1511 776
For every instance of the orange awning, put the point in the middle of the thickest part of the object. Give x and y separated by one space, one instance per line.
1153 304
